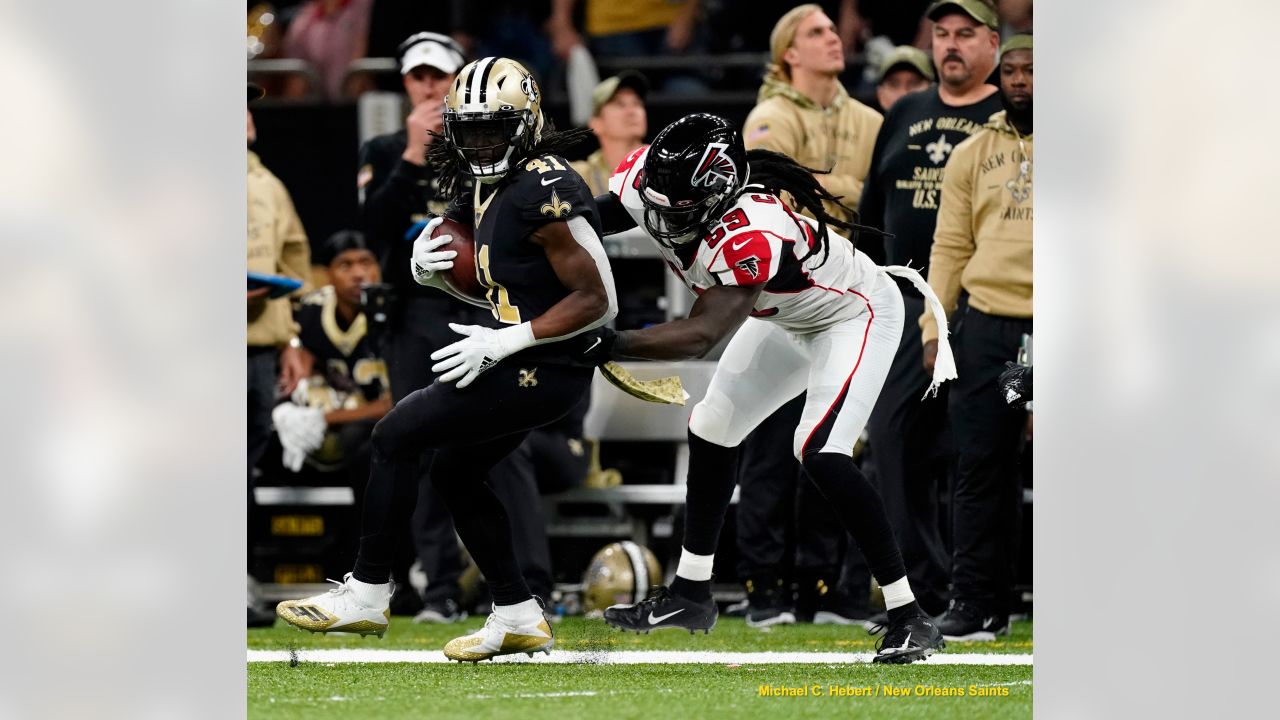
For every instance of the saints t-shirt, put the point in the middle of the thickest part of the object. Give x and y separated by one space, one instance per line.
904 186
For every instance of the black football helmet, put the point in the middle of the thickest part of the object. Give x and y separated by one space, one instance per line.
693 172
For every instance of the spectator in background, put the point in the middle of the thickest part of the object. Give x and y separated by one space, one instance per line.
1016 15
905 70
619 121
506 28
636 28
982 248
908 440
277 245
804 112
898 22
349 386
329 34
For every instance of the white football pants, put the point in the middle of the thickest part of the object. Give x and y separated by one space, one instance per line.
842 368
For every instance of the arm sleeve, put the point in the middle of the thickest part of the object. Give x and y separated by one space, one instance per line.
768 129
613 217
953 242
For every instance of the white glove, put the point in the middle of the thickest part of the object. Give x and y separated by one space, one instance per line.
481 349
428 259
301 431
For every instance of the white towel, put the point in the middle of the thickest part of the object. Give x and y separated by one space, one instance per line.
944 368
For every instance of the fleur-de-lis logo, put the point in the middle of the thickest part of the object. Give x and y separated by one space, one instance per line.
527 378
938 151
555 208
1020 187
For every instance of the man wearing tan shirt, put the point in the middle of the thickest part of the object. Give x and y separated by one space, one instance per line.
276 245
620 123
805 113
982 249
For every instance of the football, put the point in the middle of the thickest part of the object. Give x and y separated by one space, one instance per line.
463 275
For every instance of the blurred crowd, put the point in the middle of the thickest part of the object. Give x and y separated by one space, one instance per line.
556 38
330 352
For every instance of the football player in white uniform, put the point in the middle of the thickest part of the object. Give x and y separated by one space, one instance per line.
816 315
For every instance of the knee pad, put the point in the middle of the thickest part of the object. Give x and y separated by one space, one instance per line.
711 422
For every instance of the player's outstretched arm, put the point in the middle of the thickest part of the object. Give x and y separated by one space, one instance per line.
716 313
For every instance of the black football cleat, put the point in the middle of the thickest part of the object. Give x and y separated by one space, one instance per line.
908 640
967 622
661 610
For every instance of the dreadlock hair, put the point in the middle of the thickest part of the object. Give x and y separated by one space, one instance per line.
443 160
779 174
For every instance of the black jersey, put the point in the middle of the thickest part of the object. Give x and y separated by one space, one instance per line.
344 357
519 280
904 185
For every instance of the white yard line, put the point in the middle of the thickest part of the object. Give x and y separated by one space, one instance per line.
629 657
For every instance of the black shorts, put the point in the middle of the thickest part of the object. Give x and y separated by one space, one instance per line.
514 396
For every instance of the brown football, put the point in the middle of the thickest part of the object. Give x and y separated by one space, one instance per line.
463 275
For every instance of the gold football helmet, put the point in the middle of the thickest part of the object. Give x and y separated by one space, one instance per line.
492 112
620 574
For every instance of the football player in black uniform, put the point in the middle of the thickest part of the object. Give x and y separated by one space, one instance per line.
539 257
352 387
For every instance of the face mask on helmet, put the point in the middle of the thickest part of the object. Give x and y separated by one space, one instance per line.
487 142
676 222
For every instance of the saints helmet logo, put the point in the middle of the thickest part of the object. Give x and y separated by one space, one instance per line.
750 266
939 150
1020 187
527 378
554 207
529 88
715 168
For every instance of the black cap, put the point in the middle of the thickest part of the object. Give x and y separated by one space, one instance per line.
255 91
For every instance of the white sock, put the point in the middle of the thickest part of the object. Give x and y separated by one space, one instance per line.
695 567
897 593
524 613
370 595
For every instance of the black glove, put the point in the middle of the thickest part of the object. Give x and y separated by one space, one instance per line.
598 348
1015 384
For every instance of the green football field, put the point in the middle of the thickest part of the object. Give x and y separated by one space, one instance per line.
293 674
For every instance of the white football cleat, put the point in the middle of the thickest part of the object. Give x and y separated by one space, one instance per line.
336 611
497 637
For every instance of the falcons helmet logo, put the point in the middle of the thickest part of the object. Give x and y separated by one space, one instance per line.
715 168
749 265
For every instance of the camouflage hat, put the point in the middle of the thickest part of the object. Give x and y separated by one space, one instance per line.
980 10
911 57
1021 41
609 87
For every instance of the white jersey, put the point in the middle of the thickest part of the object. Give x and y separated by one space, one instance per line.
760 241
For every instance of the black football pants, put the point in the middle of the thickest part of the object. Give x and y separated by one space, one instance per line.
420 328
470 430
987 502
